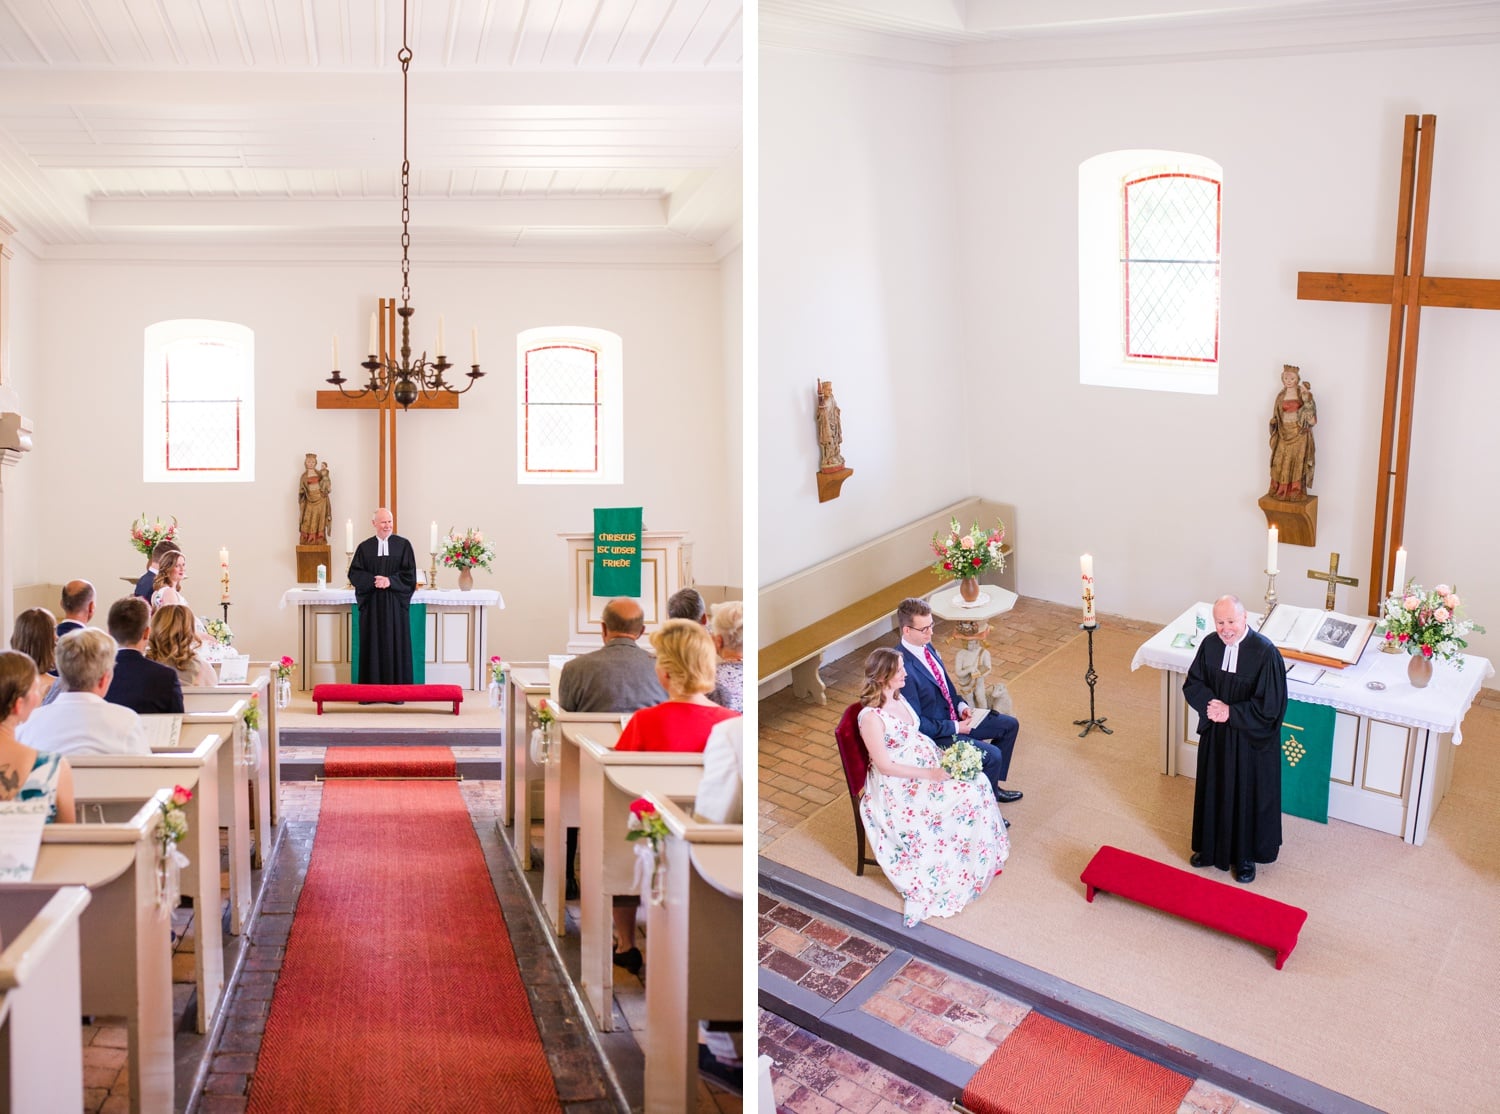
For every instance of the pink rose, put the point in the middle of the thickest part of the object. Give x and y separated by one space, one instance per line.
1411 603
1427 651
1451 599
1442 589
181 796
1442 614
967 543
641 807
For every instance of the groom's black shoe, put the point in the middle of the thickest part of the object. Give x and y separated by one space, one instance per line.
1008 796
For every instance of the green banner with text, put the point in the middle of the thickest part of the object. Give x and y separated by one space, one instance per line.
617 551
1306 759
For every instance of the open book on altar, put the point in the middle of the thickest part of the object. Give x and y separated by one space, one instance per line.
1311 634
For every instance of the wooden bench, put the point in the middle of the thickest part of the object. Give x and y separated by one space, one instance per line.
802 650
387 694
1184 893
41 1060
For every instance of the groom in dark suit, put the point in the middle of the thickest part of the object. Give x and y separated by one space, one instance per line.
944 717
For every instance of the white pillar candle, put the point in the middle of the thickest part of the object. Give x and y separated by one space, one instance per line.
474 345
335 351
433 548
1398 583
1086 565
1271 536
374 336
349 535
224 557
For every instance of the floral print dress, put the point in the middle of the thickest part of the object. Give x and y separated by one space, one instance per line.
939 842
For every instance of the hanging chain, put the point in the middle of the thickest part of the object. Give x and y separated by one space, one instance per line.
405 58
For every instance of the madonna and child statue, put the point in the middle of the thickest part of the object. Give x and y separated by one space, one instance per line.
314 519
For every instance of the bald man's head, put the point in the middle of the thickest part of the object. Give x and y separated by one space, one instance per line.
623 618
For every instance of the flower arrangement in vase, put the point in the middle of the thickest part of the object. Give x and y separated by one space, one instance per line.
465 552
647 824
144 535
283 671
1426 625
169 860
967 556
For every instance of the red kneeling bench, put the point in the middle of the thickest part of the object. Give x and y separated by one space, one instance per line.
385 694
1228 908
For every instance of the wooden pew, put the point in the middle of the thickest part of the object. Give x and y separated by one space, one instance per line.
41 1058
260 681
692 949
522 679
560 803
528 684
124 934
608 781
234 803
101 776
262 782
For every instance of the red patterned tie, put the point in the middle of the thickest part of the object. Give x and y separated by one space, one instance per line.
937 675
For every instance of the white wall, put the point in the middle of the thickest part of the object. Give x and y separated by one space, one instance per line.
456 467
731 423
859 285
1162 488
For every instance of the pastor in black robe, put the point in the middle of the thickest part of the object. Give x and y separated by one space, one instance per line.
384 613
1237 800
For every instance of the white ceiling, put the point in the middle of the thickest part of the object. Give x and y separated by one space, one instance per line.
266 126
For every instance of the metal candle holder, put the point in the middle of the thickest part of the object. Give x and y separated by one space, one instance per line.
1091 676
1270 592
348 560
432 573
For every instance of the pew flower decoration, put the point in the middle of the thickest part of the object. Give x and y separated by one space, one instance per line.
144 535
497 682
283 668
962 761
251 714
1418 621
968 554
648 827
219 631
467 550
541 737
169 860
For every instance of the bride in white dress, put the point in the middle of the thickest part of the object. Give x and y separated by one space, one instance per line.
939 841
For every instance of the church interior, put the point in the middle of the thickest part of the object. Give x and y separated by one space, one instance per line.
926 245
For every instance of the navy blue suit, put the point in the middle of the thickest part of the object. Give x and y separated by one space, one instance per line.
146 585
995 737
144 686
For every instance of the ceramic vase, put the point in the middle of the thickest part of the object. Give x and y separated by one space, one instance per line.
1419 670
465 580
968 589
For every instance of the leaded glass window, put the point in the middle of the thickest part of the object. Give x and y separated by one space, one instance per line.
1170 263
562 409
199 395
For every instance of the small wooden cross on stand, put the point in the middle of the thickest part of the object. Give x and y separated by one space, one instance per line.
1333 578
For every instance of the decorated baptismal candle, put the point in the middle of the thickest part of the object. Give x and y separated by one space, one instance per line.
1086 564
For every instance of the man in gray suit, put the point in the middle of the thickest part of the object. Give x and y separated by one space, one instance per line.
617 677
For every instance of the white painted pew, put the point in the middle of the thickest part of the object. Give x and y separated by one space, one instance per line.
101 776
560 802
608 781
692 949
225 701
41 1058
234 803
260 681
527 683
124 934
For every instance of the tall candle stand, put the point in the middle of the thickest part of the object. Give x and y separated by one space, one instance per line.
1091 676
432 573
1270 593
348 560
225 605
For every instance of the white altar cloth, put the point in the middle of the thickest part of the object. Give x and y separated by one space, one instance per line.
478 597
1440 707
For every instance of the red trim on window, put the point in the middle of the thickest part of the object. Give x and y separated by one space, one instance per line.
526 412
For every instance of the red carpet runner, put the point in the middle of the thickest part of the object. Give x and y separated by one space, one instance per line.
399 989
389 762
1046 1067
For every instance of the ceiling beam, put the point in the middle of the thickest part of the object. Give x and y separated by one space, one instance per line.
378 214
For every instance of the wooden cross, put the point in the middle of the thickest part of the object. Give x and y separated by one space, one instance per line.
337 400
1406 290
1333 578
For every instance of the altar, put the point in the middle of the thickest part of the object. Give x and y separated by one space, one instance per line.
1393 744
452 651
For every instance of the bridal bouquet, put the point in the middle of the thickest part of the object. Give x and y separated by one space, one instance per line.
962 761
219 631
1418 621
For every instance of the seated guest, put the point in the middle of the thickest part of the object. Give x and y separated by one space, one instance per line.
720 797
726 623
27 774
147 583
166 588
80 720
687 604
617 677
939 841
35 635
143 686
174 641
685 668
77 606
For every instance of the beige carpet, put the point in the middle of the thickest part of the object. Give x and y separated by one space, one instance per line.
1393 993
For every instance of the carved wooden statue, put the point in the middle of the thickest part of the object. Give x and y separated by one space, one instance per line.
1293 455
830 431
313 503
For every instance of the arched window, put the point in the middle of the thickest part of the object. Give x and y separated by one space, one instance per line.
199 390
1149 268
569 406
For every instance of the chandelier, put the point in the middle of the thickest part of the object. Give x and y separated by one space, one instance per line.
407 380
